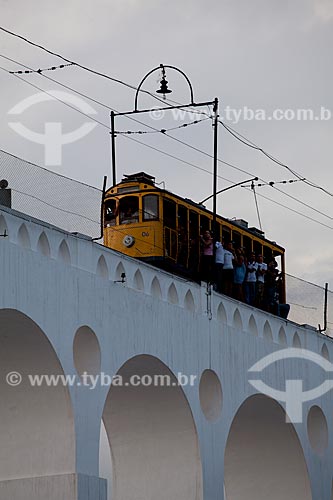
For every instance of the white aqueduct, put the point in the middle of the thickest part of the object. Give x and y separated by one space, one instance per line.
64 310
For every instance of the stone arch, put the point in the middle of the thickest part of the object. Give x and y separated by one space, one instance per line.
259 450
324 352
86 351
268 334
43 245
3 227
23 237
253 326
153 439
282 336
102 269
221 314
173 294
120 270
189 303
36 423
64 253
155 288
237 320
138 282
297 341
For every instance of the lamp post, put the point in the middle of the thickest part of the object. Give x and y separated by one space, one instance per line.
165 90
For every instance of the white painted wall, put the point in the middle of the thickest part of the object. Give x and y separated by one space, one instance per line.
61 295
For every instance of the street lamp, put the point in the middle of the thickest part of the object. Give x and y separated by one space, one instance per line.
164 89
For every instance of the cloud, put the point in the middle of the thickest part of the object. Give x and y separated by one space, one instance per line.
324 9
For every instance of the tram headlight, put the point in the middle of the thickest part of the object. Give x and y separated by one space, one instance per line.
128 241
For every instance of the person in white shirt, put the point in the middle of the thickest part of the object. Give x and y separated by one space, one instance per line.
228 269
219 262
251 280
261 271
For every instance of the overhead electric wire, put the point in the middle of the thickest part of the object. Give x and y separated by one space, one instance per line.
40 71
168 154
159 131
175 139
108 128
116 80
252 145
256 204
86 68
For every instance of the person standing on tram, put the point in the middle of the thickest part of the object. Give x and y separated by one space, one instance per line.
207 256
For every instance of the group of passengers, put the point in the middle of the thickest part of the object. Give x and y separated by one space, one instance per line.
244 277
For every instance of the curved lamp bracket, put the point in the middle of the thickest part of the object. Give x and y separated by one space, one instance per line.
162 66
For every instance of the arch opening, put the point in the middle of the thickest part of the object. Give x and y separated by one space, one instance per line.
210 393
43 245
263 456
282 336
36 423
317 430
102 268
238 323
64 253
221 314
268 334
324 352
138 281
297 341
189 301
173 295
155 289
120 272
86 352
3 227
23 237
253 326
153 439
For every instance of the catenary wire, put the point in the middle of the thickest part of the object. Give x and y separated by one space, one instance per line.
310 183
173 156
252 145
180 141
86 68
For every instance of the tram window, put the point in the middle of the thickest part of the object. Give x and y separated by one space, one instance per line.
194 225
257 247
194 247
204 224
150 207
182 216
237 239
226 234
219 232
110 213
129 210
169 213
182 235
247 245
268 254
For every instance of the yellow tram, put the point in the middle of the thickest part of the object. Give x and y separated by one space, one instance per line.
149 223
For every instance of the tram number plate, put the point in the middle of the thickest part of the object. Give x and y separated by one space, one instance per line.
145 234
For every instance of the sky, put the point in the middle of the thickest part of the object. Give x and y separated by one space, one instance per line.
260 55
